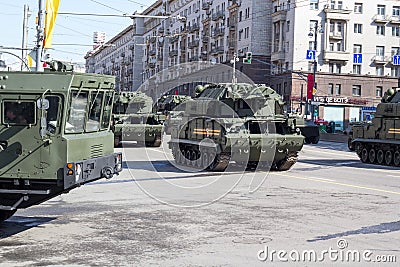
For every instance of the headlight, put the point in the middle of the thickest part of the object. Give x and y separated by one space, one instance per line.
78 171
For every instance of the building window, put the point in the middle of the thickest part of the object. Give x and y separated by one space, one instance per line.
331 67
395 51
378 91
340 5
314 4
240 15
396 11
331 45
339 46
338 68
356 90
330 88
288 25
358 8
357 28
396 31
380 30
332 4
395 71
381 10
311 45
357 69
380 52
338 88
357 49
379 70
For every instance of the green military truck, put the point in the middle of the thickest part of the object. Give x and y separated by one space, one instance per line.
134 120
54 134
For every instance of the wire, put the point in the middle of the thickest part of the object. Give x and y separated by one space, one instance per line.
99 3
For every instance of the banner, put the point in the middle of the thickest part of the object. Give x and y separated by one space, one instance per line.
51 14
310 86
31 58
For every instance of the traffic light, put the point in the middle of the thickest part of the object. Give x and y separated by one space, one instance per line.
247 59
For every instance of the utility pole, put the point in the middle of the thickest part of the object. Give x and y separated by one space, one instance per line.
27 14
233 61
40 36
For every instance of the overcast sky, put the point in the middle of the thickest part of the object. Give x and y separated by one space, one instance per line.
69 29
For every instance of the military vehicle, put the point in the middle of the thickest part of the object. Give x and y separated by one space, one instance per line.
308 129
134 120
171 106
235 122
54 134
378 142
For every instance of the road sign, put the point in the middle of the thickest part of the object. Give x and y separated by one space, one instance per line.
310 55
357 58
396 60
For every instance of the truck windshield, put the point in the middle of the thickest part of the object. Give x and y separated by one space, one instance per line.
77 112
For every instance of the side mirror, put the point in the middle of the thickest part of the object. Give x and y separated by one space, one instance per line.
43 104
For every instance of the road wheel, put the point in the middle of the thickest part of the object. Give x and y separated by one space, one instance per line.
364 155
315 140
396 158
5 214
358 148
380 156
307 140
388 157
372 155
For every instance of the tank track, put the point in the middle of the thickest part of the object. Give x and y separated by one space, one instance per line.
286 163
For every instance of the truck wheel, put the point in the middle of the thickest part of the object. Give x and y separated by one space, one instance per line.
315 140
5 214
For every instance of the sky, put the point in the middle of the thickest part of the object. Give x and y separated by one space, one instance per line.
73 35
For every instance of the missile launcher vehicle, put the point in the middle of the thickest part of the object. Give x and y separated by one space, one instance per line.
240 123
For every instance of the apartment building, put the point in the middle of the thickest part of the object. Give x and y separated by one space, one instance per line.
213 31
354 42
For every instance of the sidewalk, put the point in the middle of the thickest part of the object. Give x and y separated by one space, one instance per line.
334 137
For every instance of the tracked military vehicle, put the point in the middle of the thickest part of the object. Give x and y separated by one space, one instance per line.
379 142
243 123
134 120
308 129
54 134
172 108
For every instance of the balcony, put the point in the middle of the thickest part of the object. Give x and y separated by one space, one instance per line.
279 14
381 18
152 65
194 28
173 53
336 56
336 35
278 56
152 52
153 39
161 30
337 13
232 27
194 58
205 39
206 6
218 15
193 44
380 60
219 32
395 19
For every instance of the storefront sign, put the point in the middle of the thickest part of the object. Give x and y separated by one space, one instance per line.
339 100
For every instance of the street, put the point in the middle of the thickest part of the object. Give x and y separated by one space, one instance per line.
156 214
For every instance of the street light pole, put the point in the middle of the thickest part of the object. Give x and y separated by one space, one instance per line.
314 70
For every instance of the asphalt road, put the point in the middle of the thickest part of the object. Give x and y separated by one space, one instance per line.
156 214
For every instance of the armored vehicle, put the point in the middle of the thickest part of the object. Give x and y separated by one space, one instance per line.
308 129
236 122
171 106
379 142
54 135
134 120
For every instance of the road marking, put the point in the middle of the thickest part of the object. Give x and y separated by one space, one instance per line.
337 183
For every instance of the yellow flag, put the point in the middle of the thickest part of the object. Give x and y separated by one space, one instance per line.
51 14
31 58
